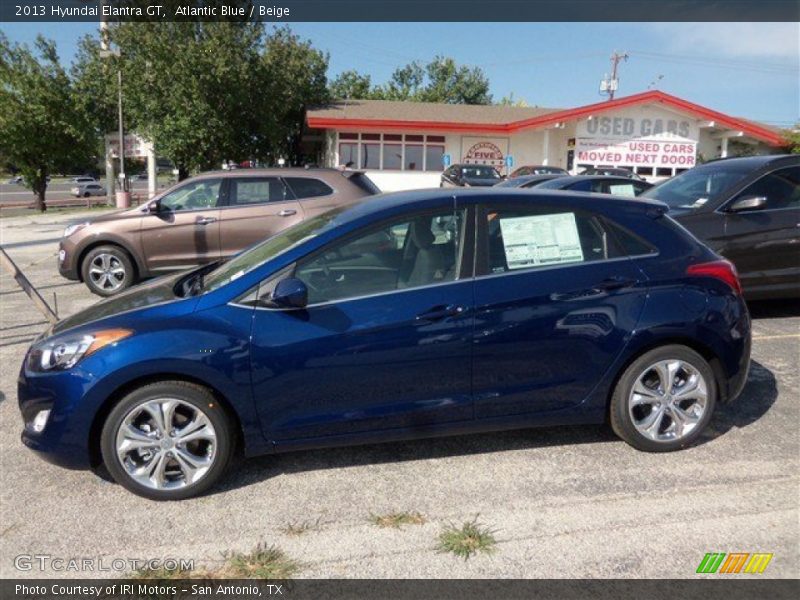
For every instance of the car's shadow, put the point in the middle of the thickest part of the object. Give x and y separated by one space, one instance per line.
774 309
758 396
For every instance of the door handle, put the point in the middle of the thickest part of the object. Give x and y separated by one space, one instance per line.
205 220
287 212
440 312
615 283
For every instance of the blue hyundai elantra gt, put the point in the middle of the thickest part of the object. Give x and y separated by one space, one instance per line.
409 315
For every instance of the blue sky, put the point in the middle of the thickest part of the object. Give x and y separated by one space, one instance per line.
750 70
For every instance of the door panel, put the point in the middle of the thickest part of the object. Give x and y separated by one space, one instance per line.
363 365
385 341
185 230
257 208
764 244
554 313
543 339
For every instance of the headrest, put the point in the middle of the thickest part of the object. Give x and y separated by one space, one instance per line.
421 234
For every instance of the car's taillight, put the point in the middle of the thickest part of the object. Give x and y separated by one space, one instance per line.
719 269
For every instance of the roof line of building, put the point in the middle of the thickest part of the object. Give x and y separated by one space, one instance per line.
764 134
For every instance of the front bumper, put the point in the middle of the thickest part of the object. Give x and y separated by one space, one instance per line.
68 260
64 440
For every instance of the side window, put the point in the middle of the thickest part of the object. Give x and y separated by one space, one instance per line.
244 191
527 238
641 186
409 252
308 187
631 244
195 195
781 188
583 185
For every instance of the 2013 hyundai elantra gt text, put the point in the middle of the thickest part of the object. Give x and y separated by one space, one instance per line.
409 315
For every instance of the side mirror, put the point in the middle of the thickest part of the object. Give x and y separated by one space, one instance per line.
290 293
748 203
151 207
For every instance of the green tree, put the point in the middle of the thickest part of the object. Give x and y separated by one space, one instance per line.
351 85
206 92
441 80
511 101
42 129
792 139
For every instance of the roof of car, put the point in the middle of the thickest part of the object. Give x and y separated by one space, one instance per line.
753 161
415 199
283 171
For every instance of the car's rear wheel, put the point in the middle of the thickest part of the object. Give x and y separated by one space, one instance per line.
664 399
107 270
167 440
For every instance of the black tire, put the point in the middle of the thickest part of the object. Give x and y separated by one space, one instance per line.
86 194
122 258
198 397
620 416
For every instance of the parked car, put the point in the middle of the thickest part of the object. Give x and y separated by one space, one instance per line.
84 190
747 210
537 170
599 184
486 310
613 171
469 176
16 180
526 181
204 219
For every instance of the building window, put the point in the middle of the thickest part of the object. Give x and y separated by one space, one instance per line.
370 156
348 154
392 151
392 156
414 155
433 158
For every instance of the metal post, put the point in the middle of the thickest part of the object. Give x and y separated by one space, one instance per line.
33 294
121 132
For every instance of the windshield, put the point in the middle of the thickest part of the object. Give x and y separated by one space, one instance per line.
693 188
268 249
479 172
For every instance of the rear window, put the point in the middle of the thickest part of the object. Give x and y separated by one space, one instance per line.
308 187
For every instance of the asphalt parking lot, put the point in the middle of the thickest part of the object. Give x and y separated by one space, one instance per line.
563 502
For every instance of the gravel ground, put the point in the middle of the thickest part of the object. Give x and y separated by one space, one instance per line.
564 502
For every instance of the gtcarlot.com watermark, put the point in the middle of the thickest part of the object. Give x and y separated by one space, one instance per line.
48 562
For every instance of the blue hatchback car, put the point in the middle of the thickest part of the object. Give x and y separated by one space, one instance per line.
408 315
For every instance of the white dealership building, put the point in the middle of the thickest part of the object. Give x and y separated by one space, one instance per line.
405 145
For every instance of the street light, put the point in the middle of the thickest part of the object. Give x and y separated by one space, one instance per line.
123 199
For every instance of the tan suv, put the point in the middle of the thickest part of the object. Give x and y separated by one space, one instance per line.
200 220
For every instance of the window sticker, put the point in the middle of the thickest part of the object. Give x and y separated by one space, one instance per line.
623 189
541 240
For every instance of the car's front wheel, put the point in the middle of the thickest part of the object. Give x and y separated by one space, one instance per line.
107 270
664 399
167 441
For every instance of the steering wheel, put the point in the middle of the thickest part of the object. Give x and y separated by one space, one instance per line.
197 199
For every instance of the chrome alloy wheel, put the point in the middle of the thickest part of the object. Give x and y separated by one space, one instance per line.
107 272
166 443
668 400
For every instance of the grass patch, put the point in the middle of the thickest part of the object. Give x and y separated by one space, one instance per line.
300 527
264 562
396 520
469 539
162 573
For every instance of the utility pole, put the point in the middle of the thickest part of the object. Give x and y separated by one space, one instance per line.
609 85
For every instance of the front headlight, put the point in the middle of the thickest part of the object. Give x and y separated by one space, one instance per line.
64 353
73 228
